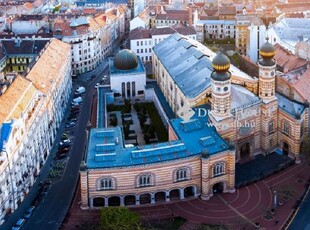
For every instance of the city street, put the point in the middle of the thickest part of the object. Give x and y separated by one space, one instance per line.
49 213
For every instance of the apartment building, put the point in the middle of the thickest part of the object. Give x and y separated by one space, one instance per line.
32 108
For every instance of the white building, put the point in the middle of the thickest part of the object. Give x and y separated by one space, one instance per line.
215 29
127 74
143 40
29 24
287 32
83 34
31 111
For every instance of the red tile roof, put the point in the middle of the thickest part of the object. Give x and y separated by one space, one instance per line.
286 60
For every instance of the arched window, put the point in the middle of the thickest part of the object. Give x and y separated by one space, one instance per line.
123 89
219 169
270 127
286 128
106 183
145 180
182 174
133 87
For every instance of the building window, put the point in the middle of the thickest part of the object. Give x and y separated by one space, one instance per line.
286 128
218 169
301 128
182 174
144 180
137 43
106 184
271 127
182 103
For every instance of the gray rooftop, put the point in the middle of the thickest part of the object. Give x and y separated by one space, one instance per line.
187 64
291 107
241 97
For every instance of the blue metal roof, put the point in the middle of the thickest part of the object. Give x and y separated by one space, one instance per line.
106 145
104 98
198 136
5 131
185 63
139 69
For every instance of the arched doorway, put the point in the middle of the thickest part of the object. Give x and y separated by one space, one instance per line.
218 187
174 194
245 150
160 196
189 191
285 148
98 202
145 198
114 201
130 200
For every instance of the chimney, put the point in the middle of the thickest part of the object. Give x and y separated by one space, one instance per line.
190 15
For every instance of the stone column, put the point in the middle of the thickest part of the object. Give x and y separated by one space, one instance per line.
84 190
122 201
106 202
152 198
181 193
167 196
137 199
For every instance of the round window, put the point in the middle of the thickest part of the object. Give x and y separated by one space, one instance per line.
225 88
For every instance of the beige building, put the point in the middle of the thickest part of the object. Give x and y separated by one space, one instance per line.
32 107
199 160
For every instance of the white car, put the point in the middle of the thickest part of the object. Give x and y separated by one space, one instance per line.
66 141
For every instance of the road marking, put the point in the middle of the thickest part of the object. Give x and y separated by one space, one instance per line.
237 212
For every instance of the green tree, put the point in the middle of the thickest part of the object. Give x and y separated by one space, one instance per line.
119 218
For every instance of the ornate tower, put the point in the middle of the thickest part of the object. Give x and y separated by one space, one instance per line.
221 88
267 72
269 121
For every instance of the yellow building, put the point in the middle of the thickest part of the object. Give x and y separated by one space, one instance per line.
200 157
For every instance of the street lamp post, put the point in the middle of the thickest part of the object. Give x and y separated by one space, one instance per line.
11 179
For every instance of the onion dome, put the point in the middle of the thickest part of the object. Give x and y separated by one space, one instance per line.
220 64
125 60
267 51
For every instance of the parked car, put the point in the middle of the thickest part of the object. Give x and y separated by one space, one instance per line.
64 136
77 100
19 224
29 212
75 112
60 156
74 119
64 145
80 90
66 141
104 77
71 116
62 150
74 109
69 125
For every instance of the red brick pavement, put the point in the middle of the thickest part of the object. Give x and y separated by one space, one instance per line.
239 210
